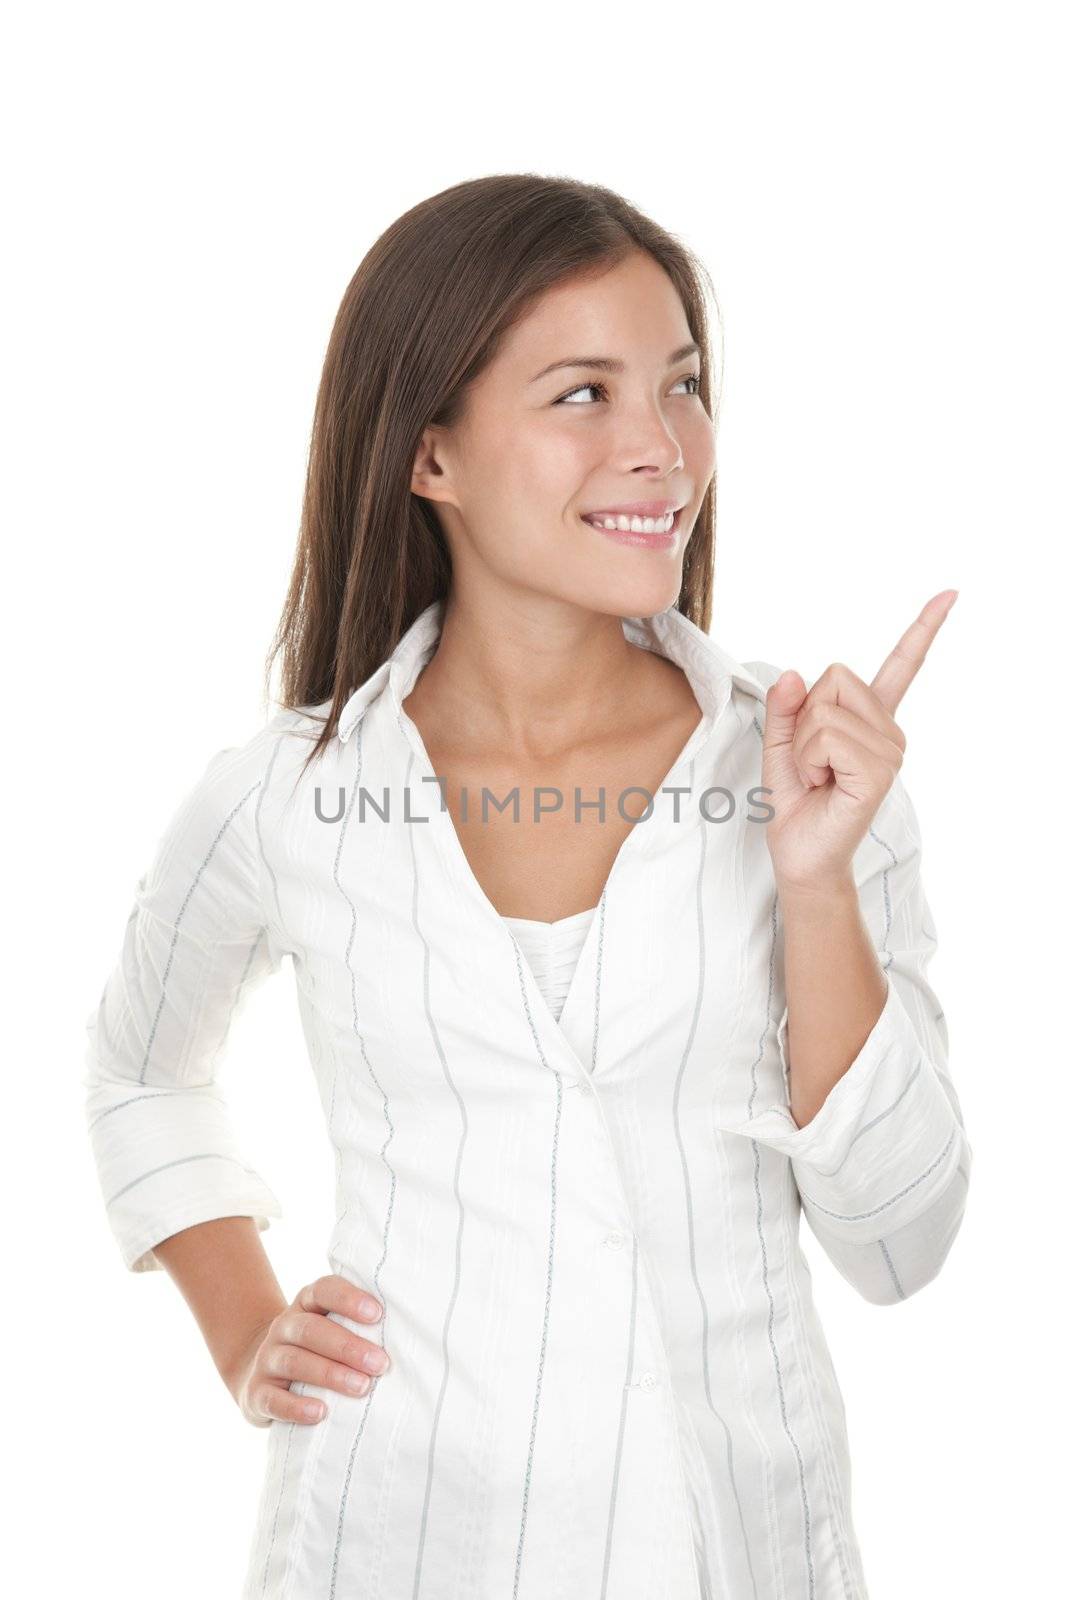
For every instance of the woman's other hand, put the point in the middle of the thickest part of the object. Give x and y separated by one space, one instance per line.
303 1343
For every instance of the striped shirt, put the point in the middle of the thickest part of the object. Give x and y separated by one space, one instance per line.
608 1377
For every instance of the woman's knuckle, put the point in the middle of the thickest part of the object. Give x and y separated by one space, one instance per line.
290 1362
345 1346
295 1362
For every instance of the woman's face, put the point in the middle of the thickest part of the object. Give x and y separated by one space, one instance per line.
538 449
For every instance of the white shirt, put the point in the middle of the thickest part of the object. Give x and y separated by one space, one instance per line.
608 1377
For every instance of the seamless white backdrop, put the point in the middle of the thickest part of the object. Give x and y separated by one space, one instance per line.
887 201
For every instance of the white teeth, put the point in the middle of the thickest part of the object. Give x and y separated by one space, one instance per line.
635 524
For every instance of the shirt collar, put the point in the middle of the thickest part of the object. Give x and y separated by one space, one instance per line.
710 670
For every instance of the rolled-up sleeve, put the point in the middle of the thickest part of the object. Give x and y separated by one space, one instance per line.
194 947
883 1167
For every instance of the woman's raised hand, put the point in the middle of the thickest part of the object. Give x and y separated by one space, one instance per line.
831 753
303 1343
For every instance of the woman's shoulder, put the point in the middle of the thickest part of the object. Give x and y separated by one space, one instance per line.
273 751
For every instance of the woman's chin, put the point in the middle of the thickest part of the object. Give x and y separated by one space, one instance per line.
629 593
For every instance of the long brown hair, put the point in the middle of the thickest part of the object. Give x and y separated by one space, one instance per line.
420 320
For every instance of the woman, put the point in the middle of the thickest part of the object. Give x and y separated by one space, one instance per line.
587 1046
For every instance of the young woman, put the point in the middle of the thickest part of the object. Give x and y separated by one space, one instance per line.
611 956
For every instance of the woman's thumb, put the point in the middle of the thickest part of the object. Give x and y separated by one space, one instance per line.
783 701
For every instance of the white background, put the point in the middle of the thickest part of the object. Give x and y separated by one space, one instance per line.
886 198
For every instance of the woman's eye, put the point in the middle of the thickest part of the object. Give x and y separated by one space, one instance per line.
694 378
584 388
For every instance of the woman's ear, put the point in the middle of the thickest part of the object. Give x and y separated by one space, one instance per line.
431 477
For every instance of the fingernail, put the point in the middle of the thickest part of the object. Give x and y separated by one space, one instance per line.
371 1308
313 1408
357 1382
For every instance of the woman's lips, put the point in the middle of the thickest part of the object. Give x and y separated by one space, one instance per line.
645 541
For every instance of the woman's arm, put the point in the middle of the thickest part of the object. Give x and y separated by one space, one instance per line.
871 1121
179 1192
874 1128
193 949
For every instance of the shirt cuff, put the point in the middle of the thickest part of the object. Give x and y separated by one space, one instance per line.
884 1143
168 1159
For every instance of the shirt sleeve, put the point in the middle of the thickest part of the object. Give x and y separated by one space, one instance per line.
883 1167
195 946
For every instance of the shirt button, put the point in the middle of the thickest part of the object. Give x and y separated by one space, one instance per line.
615 1241
648 1381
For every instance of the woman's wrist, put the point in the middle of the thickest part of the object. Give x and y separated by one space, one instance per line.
822 897
225 1275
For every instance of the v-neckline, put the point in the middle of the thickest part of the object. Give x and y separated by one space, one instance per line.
539 1014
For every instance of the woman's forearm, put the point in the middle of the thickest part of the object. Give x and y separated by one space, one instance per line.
835 990
225 1275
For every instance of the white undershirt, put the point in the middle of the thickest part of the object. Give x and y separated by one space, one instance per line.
552 949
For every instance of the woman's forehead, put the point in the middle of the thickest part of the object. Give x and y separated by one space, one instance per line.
629 314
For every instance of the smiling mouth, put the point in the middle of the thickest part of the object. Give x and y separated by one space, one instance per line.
651 533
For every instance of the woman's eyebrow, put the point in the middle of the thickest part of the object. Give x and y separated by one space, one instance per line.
610 363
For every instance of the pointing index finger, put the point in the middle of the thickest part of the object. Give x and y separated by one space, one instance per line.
905 660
